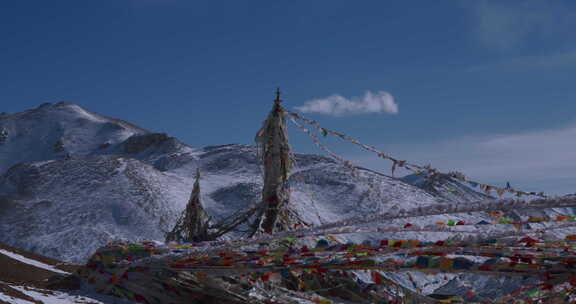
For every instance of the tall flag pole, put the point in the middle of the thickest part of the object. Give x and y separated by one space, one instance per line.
193 225
275 153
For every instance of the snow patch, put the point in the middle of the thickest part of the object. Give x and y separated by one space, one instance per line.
34 263
12 300
58 297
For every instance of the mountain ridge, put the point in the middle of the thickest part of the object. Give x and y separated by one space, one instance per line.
66 206
153 172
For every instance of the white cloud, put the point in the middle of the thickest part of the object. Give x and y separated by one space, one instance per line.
533 161
336 105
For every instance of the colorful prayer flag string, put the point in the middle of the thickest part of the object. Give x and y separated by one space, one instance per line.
397 163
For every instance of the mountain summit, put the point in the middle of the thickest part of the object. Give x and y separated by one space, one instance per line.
54 131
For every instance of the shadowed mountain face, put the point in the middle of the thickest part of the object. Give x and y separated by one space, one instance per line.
72 180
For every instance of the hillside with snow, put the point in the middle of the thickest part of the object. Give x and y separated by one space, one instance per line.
28 278
113 180
72 180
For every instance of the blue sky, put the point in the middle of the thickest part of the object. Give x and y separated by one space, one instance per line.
485 87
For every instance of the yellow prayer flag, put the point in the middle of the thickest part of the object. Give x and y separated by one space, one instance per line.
445 264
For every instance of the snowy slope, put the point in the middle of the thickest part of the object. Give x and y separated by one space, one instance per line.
67 208
24 279
135 189
32 262
445 187
29 295
120 181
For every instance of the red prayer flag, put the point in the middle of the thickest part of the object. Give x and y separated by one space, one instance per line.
376 278
266 277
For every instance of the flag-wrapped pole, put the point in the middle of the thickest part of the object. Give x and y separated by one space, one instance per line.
193 225
275 153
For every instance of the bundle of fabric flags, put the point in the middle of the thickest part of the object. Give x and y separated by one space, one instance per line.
128 270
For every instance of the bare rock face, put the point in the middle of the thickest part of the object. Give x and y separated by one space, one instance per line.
138 143
58 146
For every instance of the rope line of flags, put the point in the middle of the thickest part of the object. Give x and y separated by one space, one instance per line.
398 163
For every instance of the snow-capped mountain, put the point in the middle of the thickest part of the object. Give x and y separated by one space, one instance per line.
72 180
53 131
110 179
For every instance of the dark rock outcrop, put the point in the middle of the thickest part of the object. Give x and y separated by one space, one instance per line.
138 143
